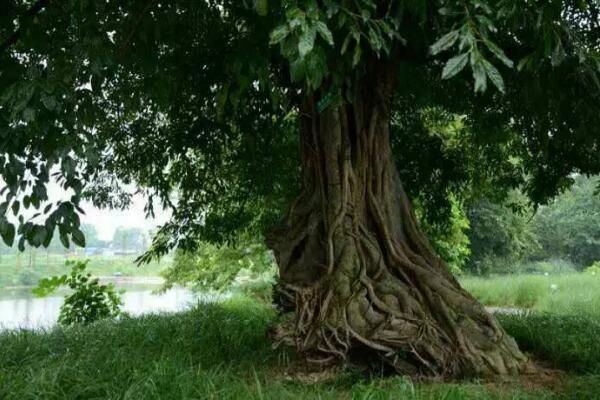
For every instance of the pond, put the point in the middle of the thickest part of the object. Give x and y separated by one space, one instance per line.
20 309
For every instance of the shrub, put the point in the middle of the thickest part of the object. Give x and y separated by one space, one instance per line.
219 267
89 301
594 269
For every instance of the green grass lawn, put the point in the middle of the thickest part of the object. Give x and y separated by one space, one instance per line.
565 294
27 269
221 351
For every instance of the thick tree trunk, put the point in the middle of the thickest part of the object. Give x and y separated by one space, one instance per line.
363 278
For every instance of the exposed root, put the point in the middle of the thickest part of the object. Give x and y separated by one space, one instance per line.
358 269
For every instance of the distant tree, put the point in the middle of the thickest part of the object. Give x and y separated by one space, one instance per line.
500 234
128 239
569 227
91 236
211 99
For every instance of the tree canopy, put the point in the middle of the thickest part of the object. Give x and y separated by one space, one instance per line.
197 102
200 104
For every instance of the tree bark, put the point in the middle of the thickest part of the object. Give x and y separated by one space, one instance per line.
363 278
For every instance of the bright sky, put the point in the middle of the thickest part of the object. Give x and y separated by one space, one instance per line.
107 221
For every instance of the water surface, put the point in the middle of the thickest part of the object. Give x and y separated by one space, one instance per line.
20 309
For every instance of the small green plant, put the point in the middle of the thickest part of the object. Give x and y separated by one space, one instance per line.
89 301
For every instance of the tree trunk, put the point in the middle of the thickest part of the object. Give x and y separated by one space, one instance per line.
362 277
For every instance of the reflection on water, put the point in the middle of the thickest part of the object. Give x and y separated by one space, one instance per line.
28 312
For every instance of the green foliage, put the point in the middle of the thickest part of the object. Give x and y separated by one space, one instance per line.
97 95
307 36
89 301
218 267
450 240
499 235
570 226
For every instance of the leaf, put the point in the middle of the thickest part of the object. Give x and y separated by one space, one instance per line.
7 231
478 72
346 43
444 43
494 75
316 68
48 285
78 238
49 234
39 235
295 17
49 102
279 34
499 53
455 65
326 101
64 238
558 55
325 32
29 114
261 7
357 55
306 42
297 70
375 40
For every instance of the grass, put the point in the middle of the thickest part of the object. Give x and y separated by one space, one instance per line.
26 269
222 351
566 294
567 342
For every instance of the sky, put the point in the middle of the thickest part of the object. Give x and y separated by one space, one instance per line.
107 221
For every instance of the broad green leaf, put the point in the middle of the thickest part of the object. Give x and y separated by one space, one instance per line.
499 53
297 70
478 72
78 238
375 40
39 235
445 42
494 75
316 68
346 43
64 238
296 17
7 231
455 65
357 55
279 34
325 32
307 41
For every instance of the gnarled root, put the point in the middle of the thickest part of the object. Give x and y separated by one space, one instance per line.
358 270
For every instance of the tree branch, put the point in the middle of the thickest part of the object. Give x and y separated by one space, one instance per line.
34 10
